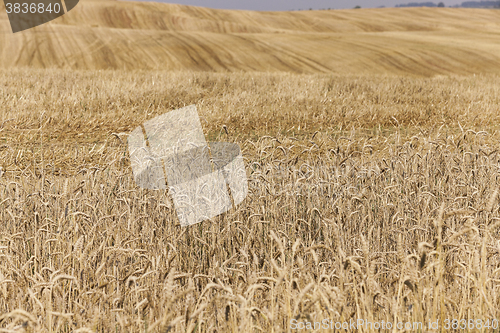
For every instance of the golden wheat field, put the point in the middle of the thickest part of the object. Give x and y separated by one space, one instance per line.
370 198
371 145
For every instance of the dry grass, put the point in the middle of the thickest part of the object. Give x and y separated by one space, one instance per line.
370 197
147 35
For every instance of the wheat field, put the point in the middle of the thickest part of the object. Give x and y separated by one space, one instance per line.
370 197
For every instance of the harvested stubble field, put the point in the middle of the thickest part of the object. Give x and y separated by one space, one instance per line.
126 35
370 198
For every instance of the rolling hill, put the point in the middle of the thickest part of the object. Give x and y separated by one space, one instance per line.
108 34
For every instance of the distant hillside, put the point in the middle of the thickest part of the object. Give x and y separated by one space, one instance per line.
126 35
418 4
467 4
481 4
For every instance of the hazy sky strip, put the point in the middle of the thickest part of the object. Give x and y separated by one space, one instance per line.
297 4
